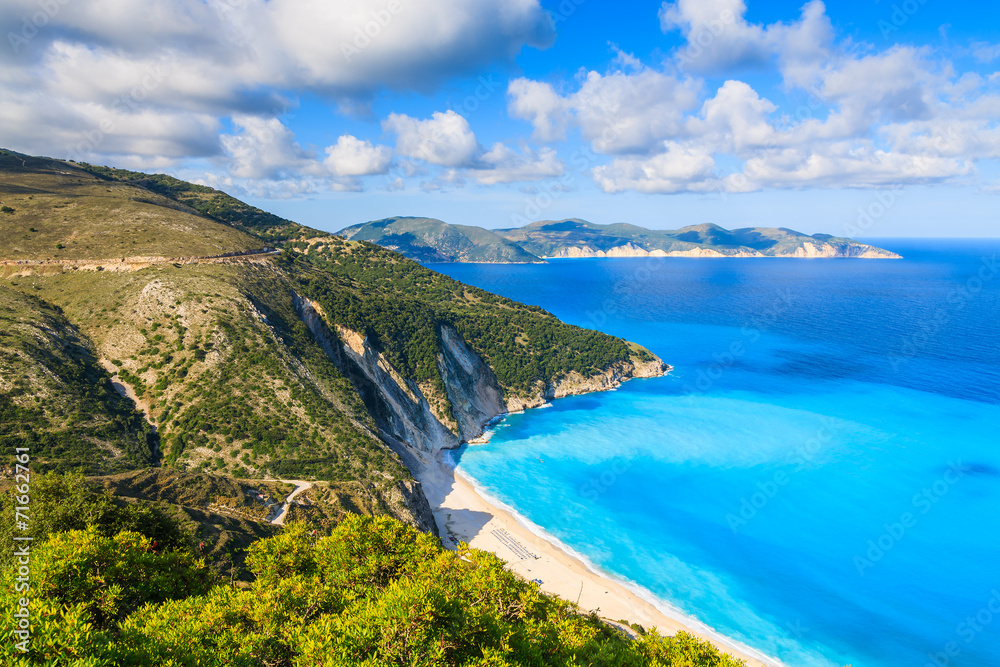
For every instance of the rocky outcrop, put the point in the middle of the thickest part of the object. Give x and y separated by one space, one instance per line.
411 496
397 403
575 383
402 414
854 250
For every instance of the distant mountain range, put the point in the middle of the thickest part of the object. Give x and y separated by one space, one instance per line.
431 240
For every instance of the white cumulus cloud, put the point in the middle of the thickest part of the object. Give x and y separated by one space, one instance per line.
351 156
215 59
445 139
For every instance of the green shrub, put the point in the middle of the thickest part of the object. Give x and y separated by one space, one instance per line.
372 593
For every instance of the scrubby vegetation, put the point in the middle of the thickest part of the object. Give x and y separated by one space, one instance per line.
371 592
56 399
401 306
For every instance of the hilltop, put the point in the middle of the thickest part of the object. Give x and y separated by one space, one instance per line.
432 241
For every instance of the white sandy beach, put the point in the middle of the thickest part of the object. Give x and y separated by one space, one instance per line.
461 511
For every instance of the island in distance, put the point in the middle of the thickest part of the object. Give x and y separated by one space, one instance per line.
432 240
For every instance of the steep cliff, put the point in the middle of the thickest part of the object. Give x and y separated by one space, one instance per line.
403 412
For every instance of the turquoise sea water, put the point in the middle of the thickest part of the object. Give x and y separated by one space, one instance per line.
819 477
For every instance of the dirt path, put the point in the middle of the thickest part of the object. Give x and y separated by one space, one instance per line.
142 262
300 486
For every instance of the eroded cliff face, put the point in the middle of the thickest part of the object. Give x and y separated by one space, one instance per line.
575 383
397 404
855 250
400 411
632 250
403 412
473 389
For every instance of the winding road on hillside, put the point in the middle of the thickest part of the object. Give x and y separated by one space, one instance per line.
300 486
144 261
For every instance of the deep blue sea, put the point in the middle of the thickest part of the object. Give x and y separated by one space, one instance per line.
819 476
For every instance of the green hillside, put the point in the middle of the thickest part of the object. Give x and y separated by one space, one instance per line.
57 400
216 353
430 240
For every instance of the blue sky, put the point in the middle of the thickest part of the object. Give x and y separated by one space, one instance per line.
854 118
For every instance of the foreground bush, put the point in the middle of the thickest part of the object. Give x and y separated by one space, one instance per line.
373 593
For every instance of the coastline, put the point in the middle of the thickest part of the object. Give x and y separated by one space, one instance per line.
463 511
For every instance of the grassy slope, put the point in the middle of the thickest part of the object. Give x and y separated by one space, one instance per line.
56 399
95 219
